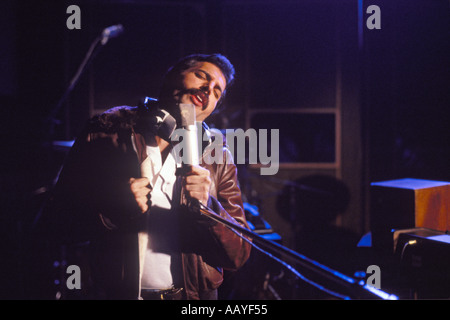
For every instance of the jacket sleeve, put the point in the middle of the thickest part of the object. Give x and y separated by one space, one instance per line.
88 199
231 249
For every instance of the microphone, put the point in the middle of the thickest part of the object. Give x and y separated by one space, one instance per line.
190 146
190 143
111 32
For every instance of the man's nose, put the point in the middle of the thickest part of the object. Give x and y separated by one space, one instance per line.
209 86
206 89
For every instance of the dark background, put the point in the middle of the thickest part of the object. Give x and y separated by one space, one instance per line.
390 85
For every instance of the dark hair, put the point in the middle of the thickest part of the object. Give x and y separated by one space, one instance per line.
189 61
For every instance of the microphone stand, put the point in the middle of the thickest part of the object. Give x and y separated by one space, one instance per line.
357 288
98 42
90 55
93 50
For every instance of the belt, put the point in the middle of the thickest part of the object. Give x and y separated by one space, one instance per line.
169 294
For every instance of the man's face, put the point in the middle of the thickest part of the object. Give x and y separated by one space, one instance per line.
202 85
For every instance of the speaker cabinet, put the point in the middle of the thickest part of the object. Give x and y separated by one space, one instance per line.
407 203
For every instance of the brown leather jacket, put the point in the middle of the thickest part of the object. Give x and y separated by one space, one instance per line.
92 204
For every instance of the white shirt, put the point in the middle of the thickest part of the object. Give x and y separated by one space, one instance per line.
161 240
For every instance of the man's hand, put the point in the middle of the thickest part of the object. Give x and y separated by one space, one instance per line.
197 183
140 188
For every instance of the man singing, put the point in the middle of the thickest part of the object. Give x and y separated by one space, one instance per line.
121 193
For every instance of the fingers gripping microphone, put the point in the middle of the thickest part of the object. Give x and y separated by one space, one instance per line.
111 32
190 145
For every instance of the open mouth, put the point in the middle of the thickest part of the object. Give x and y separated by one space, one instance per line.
199 98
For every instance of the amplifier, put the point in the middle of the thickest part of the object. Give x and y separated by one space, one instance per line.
407 203
423 257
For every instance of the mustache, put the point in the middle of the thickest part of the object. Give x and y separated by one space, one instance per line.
204 97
